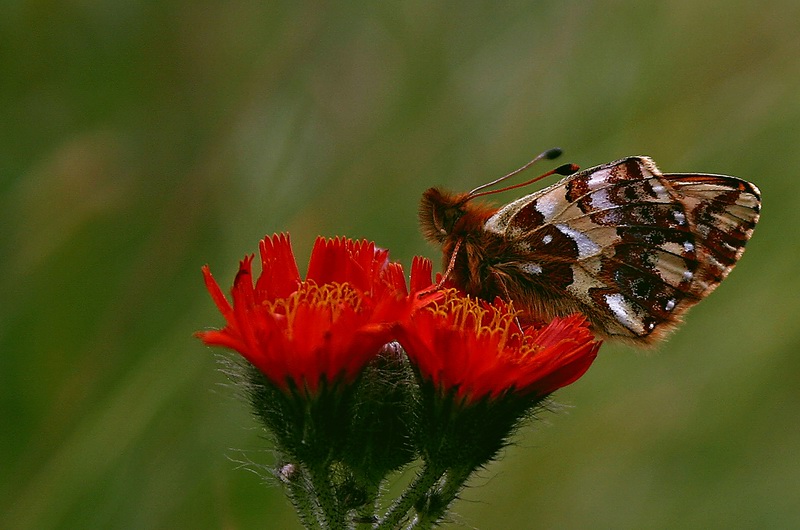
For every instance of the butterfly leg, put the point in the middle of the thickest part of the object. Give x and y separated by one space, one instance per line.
425 293
499 280
450 265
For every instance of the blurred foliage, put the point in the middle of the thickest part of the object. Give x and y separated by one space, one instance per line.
142 139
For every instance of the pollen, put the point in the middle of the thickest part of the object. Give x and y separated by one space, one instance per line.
475 316
336 297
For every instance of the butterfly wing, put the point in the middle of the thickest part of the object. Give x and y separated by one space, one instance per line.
627 246
722 211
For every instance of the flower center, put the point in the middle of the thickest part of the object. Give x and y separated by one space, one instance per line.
335 297
486 321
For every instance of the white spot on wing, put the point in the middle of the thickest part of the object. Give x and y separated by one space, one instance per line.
547 239
598 178
495 224
586 247
670 305
546 206
601 201
616 302
660 191
531 267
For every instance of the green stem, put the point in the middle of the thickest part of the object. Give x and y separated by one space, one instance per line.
333 515
303 500
420 486
453 484
366 523
366 514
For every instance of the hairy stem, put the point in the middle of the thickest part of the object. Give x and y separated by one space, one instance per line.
417 490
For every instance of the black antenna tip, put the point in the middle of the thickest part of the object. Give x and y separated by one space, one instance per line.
550 154
566 169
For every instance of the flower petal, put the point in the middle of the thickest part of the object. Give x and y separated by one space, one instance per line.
279 275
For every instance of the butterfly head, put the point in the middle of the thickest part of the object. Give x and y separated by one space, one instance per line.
439 213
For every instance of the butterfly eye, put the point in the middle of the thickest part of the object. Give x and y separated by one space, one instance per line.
438 221
445 218
439 211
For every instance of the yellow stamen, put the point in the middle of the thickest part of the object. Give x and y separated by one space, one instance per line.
335 297
469 314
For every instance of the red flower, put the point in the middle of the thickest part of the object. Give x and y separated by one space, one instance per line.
326 327
478 350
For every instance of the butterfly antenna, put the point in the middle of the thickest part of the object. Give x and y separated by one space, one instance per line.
550 154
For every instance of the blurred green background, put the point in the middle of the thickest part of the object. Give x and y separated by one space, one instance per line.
142 139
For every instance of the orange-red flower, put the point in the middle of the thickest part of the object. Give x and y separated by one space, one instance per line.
328 327
474 350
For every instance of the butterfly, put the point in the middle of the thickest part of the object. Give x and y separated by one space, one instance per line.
627 246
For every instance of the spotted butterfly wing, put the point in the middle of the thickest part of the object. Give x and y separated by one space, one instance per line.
627 246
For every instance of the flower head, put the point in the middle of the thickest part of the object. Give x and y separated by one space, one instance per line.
481 371
328 327
478 350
